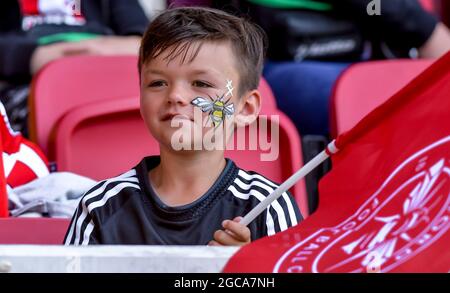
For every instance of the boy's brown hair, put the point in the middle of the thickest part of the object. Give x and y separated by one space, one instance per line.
181 28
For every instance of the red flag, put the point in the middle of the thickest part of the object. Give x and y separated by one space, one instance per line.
385 206
3 195
21 161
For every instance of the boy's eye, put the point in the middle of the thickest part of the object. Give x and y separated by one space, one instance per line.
157 83
199 83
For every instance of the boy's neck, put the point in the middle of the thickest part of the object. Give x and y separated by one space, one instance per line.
182 177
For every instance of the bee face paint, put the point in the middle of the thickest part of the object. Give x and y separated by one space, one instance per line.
218 109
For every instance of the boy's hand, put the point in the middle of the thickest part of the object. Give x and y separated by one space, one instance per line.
235 234
108 45
45 54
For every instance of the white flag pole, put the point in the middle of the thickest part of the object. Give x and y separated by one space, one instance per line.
305 170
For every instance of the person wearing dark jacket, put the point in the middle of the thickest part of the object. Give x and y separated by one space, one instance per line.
36 32
302 80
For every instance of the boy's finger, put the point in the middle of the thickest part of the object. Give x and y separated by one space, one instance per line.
214 243
225 238
238 219
240 231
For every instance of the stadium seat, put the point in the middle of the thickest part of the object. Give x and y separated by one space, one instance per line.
269 103
79 80
74 81
33 230
364 86
102 139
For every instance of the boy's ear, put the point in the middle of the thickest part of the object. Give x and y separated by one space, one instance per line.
249 107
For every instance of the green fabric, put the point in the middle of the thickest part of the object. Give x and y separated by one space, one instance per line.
65 37
292 4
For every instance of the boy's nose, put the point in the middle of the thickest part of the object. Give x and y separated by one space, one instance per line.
177 96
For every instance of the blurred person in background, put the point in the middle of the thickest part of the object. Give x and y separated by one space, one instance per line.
36 32
312 42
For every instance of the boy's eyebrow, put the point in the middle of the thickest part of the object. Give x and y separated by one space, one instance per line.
205 71
195 71
153 71
213 72
200 71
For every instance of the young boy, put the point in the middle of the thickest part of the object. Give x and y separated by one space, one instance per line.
191 59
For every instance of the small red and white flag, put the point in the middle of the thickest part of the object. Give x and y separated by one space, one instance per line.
385 205
21 162
3 195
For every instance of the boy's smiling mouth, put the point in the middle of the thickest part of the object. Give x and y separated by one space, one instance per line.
174 115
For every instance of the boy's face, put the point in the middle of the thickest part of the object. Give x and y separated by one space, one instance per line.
173 93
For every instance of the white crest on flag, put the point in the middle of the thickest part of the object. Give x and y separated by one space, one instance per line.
379 236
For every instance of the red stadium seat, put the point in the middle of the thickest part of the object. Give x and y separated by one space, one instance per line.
76 81
102 139
33 230
364 86
269 103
